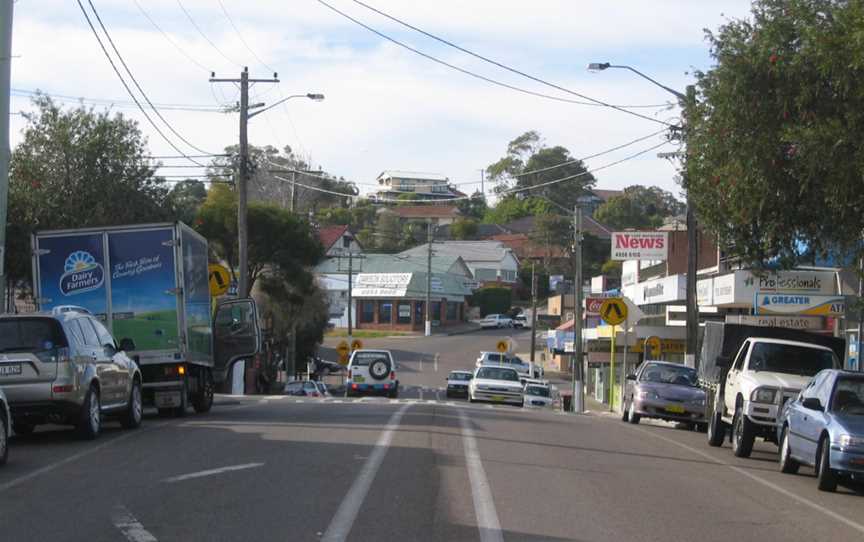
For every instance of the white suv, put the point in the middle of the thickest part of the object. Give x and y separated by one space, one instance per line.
372 372
496 321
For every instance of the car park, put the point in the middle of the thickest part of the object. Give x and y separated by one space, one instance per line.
5 428
457 383
64 367
496 384
496 321
302 388
824 428
538 394
665 391
372 372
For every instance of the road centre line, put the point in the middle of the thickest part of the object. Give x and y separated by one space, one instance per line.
211 472
340 525
129 526
484 504
771 485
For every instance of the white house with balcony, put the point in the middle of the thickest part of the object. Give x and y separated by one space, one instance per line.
425 185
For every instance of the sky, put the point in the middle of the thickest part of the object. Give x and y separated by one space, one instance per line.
385 107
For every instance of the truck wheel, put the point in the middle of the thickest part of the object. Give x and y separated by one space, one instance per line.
826 475
90 417
4 438
180 411
202 401
23 429
788 465
633 417
131 419
743 434
716 430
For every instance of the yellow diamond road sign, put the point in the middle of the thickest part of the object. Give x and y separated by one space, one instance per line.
503 346
613 311
343 352
220 280
356 344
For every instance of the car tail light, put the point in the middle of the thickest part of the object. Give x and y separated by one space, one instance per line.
386 386
66 388
392 375
353 386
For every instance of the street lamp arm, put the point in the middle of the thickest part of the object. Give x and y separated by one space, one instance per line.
316 97
677 94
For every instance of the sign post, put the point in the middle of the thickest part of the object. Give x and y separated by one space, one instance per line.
612 372
624 363
613 311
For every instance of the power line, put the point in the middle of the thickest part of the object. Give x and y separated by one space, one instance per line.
592 101
489 79
239 35
203 35
169 157
168 38
126 85
23 93
135 81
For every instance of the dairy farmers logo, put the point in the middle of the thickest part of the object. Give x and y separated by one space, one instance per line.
82 273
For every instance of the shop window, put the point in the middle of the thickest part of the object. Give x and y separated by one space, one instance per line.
367 312
385 312
404 313
452 311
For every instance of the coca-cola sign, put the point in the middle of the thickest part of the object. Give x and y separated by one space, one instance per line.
640 245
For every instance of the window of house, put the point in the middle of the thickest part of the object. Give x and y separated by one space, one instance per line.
452 310
485 274
346 242
385 312
367 311
508 275
404 313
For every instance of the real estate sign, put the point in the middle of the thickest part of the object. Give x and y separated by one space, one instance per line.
640 245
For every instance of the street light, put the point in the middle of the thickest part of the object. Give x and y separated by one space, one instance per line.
687 101
312 96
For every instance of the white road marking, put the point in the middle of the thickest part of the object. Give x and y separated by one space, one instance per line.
771 485
484 505
420 392
211 472
438 395
421 364
436 362
342 522
129 526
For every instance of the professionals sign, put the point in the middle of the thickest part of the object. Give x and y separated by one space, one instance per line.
640 245
795 303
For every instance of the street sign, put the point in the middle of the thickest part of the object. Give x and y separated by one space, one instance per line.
613 311
503 346
653 347
356 344
220 280
342 350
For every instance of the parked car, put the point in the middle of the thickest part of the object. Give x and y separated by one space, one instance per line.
322 387
457 383
666 391
521 321
372 371
824 428
5 428
538 394
496 384
506 360
489 358
64 367
496 321
302 388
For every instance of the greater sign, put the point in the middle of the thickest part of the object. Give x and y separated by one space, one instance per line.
613 311
795 303
640 245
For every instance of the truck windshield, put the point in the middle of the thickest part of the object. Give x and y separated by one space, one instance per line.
790 359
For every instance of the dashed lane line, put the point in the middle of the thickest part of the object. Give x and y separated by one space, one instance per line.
481 493
211 472
129 526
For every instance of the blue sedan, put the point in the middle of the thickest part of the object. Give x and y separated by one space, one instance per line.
824 428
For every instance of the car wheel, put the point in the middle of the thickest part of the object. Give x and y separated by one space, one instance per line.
131 419
743 434
4 438
90 417
702 427
826 475
788 465
625 415
716 430
632 417
202 401
23 429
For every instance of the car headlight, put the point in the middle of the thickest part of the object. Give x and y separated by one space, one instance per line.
848 440
763 395
648 394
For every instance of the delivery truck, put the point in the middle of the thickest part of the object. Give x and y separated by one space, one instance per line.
150 285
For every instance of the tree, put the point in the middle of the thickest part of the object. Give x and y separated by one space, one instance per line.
473 207
510 208
76 168
526 155
553 233
640 208
775 148
464 229
186 198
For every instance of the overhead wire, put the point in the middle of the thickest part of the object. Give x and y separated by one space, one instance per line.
126 85
489 79
203 35
242 40
168 38
23 93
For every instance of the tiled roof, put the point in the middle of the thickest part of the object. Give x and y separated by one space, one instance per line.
330 234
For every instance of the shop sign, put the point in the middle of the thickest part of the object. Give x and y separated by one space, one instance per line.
640 245
806 323
802 304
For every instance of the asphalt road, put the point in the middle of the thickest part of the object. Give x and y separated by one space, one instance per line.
280 468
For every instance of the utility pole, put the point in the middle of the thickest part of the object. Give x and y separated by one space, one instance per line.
243 173
428 329
691 354
5 151
483 183
350 285
578 400
293 191
533 315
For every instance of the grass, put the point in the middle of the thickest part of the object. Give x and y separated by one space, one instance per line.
364 333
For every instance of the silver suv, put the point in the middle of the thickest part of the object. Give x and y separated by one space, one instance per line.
64 367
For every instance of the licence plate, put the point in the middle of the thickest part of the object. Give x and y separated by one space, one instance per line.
10 369
359 379
167 399
675 409
498 398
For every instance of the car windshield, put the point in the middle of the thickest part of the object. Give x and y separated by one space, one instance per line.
498 373
791 359
849 396
460 376
539 391
364 359
669 374
30 335
516 360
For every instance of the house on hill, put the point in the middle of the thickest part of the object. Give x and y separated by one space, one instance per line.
338 241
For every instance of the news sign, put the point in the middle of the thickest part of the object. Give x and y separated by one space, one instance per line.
640 245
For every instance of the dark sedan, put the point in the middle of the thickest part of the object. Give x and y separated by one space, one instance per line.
666 391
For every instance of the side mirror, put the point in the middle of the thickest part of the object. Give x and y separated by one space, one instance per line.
631 377
127 344
723 361
812 403
522 381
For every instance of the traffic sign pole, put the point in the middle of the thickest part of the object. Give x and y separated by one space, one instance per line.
624 363
612 373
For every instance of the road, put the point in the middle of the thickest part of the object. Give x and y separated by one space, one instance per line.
280 468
